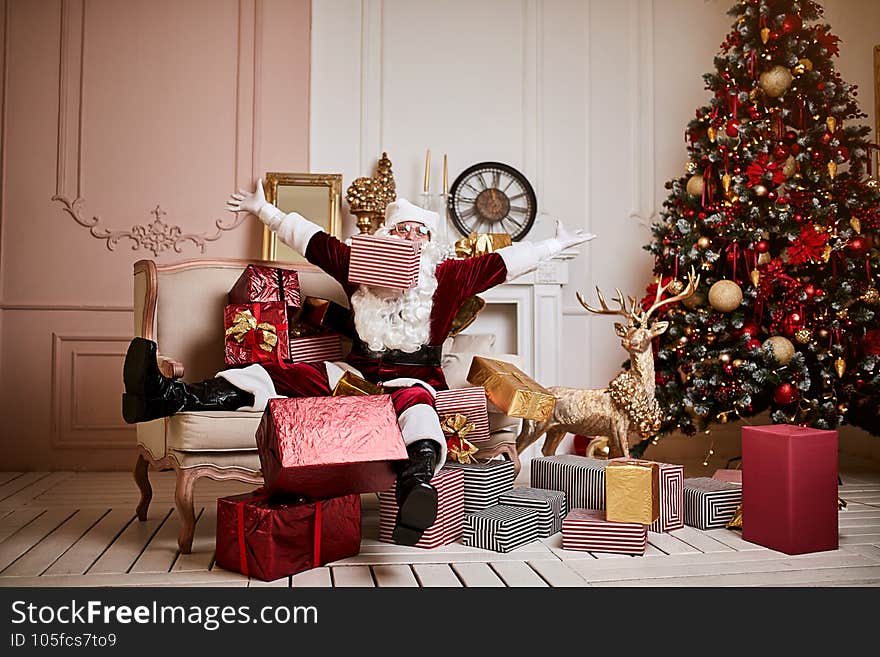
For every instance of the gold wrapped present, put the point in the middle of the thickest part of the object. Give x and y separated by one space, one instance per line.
477 244
632 491
511 390
351 384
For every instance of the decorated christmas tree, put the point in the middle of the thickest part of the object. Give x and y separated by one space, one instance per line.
779 215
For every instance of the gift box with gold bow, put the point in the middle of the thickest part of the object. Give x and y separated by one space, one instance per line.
477 244
511 390
465 421
255 333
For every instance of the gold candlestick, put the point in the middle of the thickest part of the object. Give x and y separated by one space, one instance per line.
427 169
445 176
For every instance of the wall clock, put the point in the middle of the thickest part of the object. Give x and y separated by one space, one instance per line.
491 197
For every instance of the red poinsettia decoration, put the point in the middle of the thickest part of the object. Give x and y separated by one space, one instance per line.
810 245
828 41
762 165
651 294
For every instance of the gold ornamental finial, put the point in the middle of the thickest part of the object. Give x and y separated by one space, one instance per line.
368 197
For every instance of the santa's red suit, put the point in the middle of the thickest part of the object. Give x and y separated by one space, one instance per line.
400 332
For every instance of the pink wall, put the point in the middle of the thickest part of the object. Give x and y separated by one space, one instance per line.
111 108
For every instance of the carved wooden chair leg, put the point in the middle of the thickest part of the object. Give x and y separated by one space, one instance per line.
183 499
142 479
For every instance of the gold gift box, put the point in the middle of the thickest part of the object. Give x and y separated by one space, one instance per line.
511 390
632 491
351 384
477 244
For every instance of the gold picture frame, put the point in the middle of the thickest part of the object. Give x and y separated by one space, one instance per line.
316 196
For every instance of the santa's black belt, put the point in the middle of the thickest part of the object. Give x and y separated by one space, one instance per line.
427 355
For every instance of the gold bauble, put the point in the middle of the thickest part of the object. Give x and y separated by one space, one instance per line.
725 296
755 275
803 335
712 133
856 224
704 242
738 362
760 190
840 367
832 169
781 347
871 296
725 182
776 81
675 286
831 122
806 63
695 185
765 34
790 167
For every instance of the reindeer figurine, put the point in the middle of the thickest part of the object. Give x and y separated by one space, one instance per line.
594 412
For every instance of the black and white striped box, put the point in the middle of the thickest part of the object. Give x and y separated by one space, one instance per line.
500 528
582 479
484 482
550 505
671 498
448 526
588 531
709 503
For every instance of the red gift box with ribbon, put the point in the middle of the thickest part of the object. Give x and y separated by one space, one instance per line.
268 538
260 283
256 333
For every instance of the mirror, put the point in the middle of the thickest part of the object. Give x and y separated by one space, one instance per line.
316 196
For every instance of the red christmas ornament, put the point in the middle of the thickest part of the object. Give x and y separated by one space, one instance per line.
795 148
785 394
819 292
820 86
842 152
732 128
791 135
750 328
857 246
809 289
799 218
774 35
753 344
791 23
825 138
780 152
871 343
753 112
762 246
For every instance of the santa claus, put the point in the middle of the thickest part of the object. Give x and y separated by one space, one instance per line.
400 336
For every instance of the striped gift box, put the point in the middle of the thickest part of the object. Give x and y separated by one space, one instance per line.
500 528
316 348
582 479
450 511
484 482
470 402
384 261
709 503
550 505
587 530
671 502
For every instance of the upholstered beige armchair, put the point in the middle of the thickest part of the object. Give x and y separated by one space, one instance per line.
180 306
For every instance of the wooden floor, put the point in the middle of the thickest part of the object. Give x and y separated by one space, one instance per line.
79 529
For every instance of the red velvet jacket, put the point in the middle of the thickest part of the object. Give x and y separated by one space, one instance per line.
456 281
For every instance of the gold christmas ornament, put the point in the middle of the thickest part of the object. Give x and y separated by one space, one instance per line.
831 122
781 348
856 224
764 258
760 190
803 335
765 34
806 63
738 362
840 367
755 275
776 81
725 296
695 185
675 286
832 169
725 182
737 521
790 166
871 296
712 133
704 242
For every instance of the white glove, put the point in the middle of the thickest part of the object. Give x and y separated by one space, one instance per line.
523 257
568 239
256 204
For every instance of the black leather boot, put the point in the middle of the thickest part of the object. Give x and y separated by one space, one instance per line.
416 498
150 395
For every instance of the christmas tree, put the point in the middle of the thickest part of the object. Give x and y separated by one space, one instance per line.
779 215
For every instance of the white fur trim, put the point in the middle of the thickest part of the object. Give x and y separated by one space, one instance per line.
402 210
293 229
524 257
255 380
420 422
336 369
406 382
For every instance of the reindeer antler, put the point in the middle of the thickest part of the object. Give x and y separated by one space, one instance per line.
629 313
690 288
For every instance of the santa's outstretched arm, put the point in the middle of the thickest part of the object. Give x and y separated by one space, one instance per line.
523 257
295 231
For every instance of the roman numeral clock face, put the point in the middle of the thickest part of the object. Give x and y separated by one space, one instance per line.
491 197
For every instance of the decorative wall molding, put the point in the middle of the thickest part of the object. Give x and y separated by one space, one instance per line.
39 306
156 236
69 429
372 85
641 104
4 66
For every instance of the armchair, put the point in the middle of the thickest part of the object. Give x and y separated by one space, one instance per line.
180 307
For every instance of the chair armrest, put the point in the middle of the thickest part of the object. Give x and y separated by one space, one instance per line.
170 368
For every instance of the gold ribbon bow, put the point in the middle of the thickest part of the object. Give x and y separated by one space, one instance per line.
245 322
456 427
477 244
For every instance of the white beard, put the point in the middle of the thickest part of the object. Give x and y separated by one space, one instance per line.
386 318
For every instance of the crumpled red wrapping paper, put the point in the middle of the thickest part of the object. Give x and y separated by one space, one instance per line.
269 538
259 283
328 446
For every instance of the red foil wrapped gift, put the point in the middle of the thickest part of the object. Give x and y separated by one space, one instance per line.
255 333
259 283
327 446
271 538
789 488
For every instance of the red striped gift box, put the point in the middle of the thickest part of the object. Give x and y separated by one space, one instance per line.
587 530
384 262
450 511
470 402
315 349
